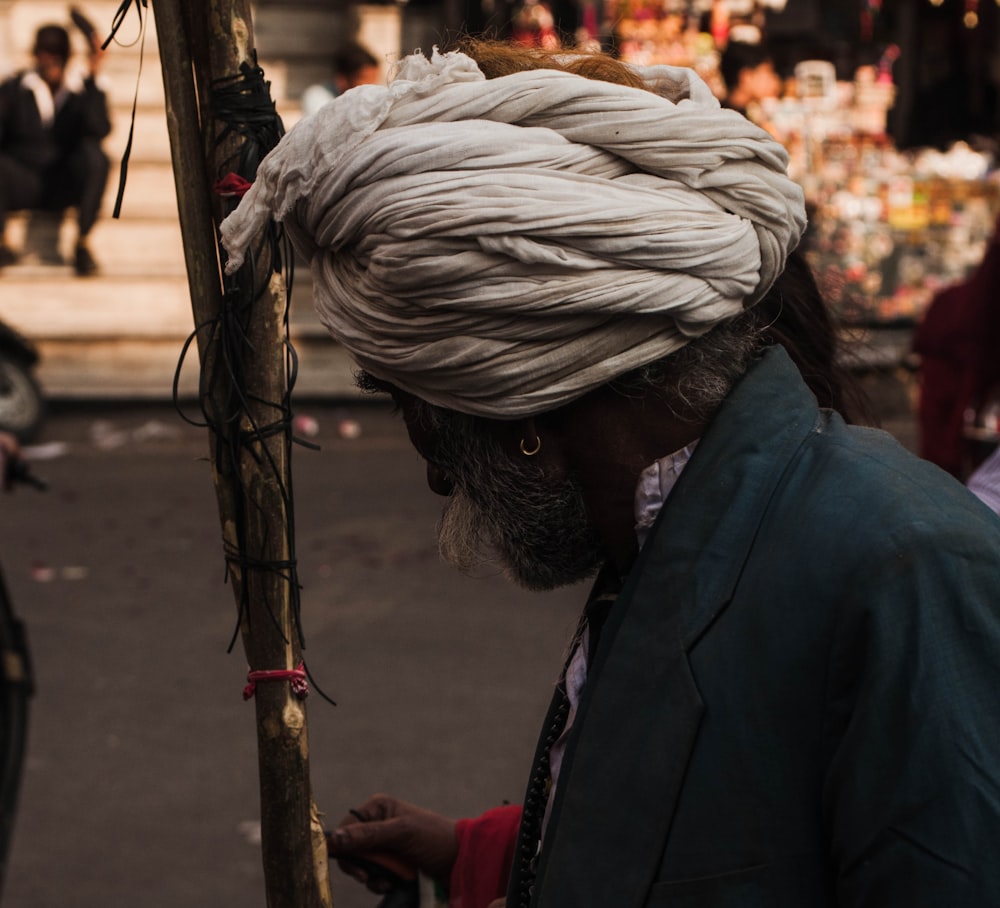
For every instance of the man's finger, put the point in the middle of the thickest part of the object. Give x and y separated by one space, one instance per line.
378 835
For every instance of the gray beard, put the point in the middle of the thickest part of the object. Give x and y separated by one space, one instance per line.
505 511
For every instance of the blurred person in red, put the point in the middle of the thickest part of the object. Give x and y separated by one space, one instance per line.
958 345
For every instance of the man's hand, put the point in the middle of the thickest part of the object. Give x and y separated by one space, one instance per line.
397 834
96 54
93 39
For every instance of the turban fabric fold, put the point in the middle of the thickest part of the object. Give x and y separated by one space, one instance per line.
500 247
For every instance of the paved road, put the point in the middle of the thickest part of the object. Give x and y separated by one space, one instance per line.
140 785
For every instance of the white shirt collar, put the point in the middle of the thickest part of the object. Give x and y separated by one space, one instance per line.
655 484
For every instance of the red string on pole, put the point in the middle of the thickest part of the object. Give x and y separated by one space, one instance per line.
296 678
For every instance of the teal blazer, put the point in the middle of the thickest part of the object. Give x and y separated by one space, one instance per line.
796 698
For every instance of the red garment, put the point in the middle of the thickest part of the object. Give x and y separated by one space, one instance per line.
485 857
959 345
946 341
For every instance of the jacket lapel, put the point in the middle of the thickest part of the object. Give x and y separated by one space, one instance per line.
637 722
630 743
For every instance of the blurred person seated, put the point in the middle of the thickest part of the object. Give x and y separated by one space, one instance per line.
352 65
52 122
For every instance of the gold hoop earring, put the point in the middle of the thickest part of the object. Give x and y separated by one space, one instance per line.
534 450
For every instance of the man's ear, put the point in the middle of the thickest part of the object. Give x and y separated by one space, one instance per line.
540 442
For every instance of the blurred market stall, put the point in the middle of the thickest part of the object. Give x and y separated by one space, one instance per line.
890 226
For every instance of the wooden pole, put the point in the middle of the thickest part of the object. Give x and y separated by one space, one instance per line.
201 42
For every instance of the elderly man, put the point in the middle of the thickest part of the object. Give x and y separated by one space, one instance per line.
783 690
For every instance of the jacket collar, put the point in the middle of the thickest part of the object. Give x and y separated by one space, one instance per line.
640 712
704 537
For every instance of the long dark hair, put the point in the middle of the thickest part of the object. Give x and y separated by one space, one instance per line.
795 315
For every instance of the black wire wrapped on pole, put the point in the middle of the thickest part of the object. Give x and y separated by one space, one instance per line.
242 107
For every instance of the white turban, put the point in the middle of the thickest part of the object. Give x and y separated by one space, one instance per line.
500 247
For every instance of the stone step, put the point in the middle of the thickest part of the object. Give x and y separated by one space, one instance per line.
150 139
145 240
53 304
22 18
119 337
146 369
124 247
149 191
